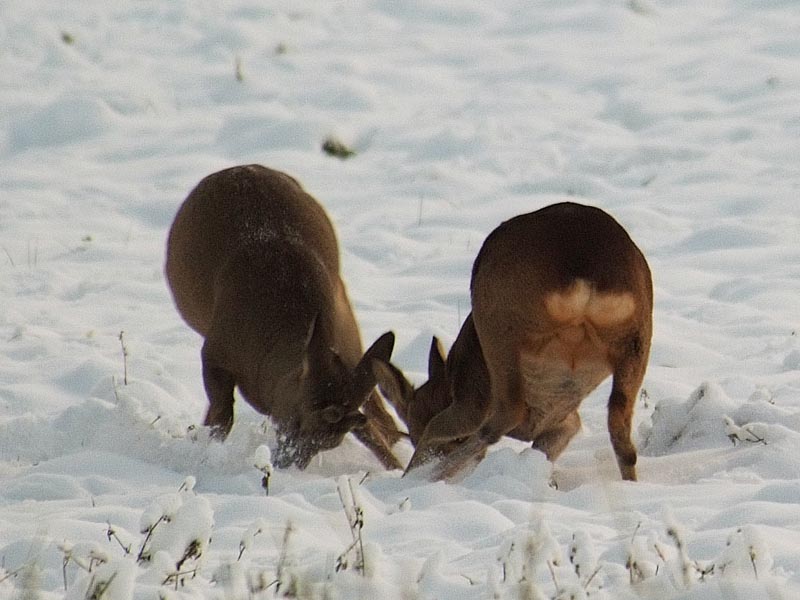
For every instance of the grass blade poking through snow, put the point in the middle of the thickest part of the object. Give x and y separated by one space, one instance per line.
355 519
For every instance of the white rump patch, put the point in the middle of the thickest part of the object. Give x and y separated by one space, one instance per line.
580 302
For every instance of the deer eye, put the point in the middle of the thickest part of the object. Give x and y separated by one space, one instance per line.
332 414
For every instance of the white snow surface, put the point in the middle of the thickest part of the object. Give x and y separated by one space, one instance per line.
679 118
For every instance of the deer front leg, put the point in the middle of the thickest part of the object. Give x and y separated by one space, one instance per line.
553 441
371 436
380 432
381 419
508 407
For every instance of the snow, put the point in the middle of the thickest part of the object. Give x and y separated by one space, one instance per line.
679 118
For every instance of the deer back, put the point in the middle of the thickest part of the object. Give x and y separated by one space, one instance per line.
228 212
561 298
253 266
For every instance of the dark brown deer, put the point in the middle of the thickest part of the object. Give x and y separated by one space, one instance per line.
253 266
561 298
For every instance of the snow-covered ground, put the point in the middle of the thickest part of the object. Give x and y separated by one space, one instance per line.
680 118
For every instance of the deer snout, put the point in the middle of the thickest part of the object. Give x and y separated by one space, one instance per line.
323 430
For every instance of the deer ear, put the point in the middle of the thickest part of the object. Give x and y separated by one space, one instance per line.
436 360
364 374
382 347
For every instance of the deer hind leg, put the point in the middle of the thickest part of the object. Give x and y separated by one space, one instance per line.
553 441
627 379
219 384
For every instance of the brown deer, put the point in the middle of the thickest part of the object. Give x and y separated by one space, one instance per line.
253 266
561 298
